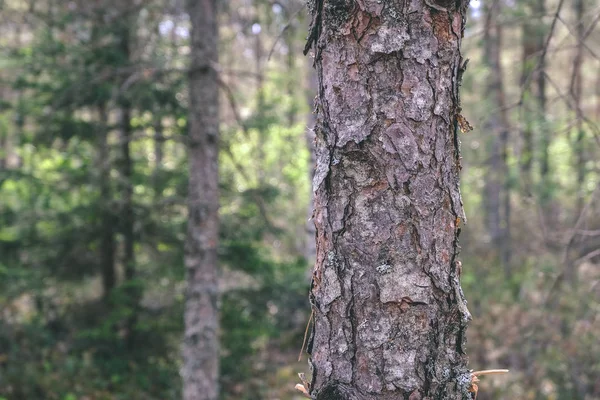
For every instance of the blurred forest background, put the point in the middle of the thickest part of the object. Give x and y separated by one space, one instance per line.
93 181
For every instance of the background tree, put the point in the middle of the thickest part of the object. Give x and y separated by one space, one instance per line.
201 346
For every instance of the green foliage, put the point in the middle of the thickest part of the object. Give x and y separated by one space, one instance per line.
61 336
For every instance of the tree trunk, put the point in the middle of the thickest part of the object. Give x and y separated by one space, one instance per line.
576 91
529 63
200 346
541 101
492 186
107 234
158 154
127 215
389 314
261 124
497 179
598 98
534 107
290 41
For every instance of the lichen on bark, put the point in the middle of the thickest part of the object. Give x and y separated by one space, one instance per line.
390 317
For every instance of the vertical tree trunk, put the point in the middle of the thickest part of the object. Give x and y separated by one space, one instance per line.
598 96
290 40
261 126
158 153
529 62
493 186
576 91
200 345
389 314
541 99
107 235
127 214
534 107
497 181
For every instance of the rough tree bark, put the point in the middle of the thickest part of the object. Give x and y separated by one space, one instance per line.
200 345
389 314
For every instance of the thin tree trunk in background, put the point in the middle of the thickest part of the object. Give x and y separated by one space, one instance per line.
127 171
4 131
579 145
127 214
506 247
107 234
290 39
576 91
493 185
529 61
534 109
497 180
541 100
200 345
528 115
158 154
389 314
598 96
260 108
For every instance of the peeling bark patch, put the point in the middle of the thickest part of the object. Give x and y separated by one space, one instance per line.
399 371
423 44
419 102
404 281
323 156
441 28
397 139
388 40
331 283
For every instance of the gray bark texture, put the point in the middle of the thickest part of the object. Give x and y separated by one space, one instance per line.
200 345
389 314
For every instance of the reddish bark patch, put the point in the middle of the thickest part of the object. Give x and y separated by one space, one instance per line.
360 24
441 27
375 188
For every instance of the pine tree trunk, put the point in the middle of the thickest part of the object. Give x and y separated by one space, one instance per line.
200 346
389 314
